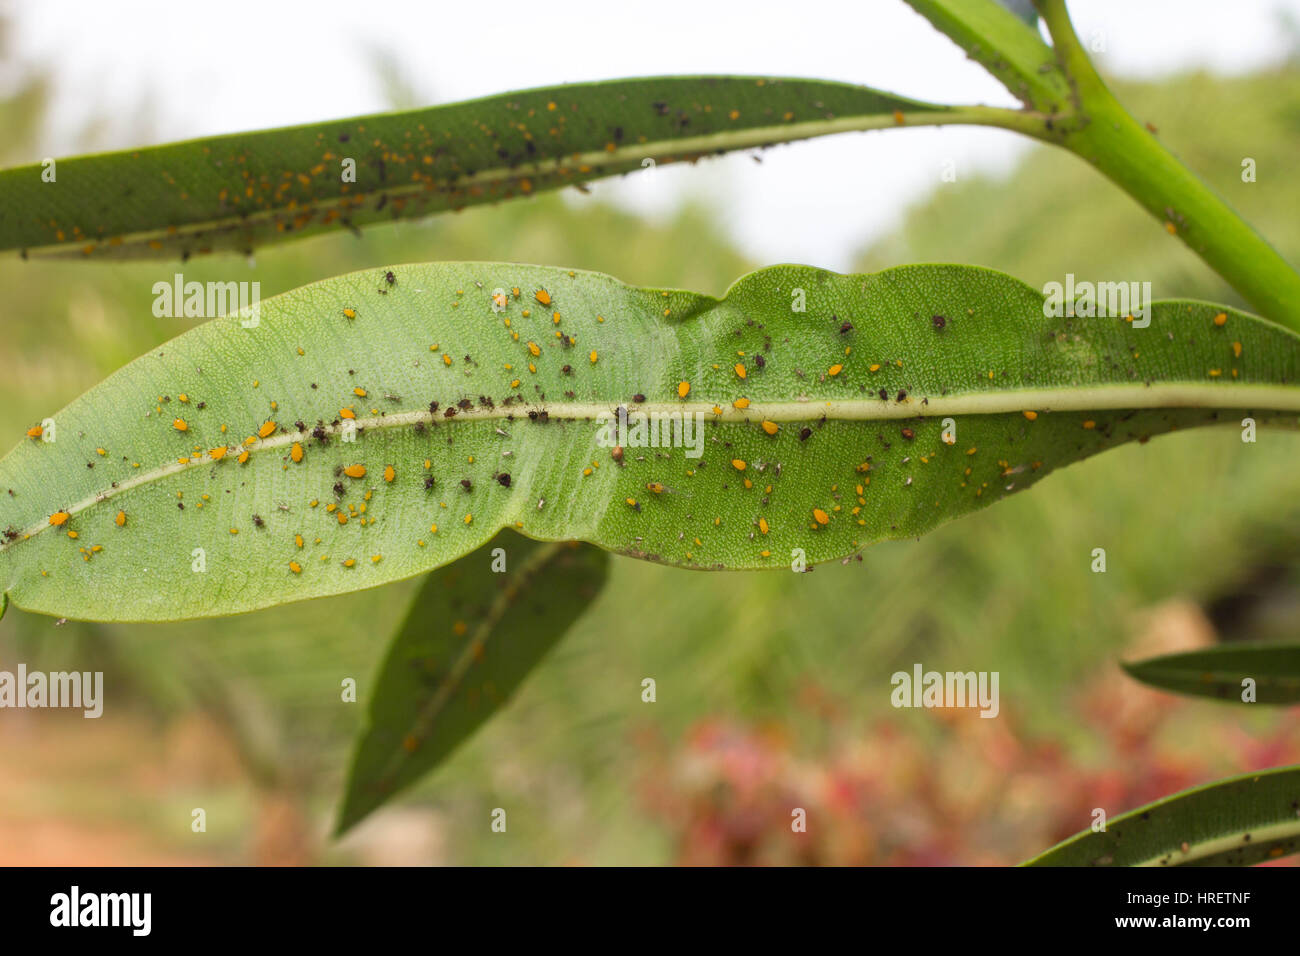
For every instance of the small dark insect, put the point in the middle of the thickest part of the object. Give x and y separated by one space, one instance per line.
805 433
846 328
257 520
428 482
567 370
180 505
908 434
300 426
465 404
760 361
884 395
503 480
202 405
616 453
901 395
638 397
939 321
467 484
338 490
449 413
433 407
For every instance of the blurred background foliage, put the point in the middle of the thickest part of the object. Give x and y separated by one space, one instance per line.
773 689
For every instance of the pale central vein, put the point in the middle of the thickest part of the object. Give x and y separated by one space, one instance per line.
1277 398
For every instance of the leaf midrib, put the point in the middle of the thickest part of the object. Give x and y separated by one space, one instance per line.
1279 398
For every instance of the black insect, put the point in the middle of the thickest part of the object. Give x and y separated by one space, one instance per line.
428 482
467 484
503 480
939 321
257 520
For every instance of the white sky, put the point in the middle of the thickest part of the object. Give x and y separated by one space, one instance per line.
217 67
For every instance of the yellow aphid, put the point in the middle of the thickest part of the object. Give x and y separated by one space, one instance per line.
297 539
771 427
738 464
534 349
821 516
36 431
120 520
216 454
446 359
1221 318
655 486
350 563
741 403
542 296
1236 349
1171 228
59 518
359 392
740 370
267 429
469 519
835 369
376 558
593 356
234 531
433 529
296 452
762 525
243 457
183 397
389 473
873 368
683 389
180 425
555 317
101 452
1089 424
295 567
342 516
349 313
500 300
355 471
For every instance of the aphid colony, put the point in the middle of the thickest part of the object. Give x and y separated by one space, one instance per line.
734 489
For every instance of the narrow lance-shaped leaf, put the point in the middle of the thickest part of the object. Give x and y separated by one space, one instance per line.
1222 672
1240 821
470 638
1005 42
239 191
362 431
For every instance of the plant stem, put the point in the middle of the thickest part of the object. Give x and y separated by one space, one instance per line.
1109 138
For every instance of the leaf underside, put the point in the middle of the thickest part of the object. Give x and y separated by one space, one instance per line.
1219 672
241 191
823 430
469 639
1241 821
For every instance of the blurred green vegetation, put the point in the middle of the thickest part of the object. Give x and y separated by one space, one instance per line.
1008 589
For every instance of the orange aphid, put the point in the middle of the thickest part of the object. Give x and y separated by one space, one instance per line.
683 389
389 473
542 296
349 313
296 452
771 427
355 471
741 403
267 429
120 519
59 518
1221 318
740 370
180 425
821 516
295 567
738 464
359 392
1031 415
35 431
835 369
762 525
243 457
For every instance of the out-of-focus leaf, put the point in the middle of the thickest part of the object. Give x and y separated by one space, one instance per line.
470 638
1235 822
1218 672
